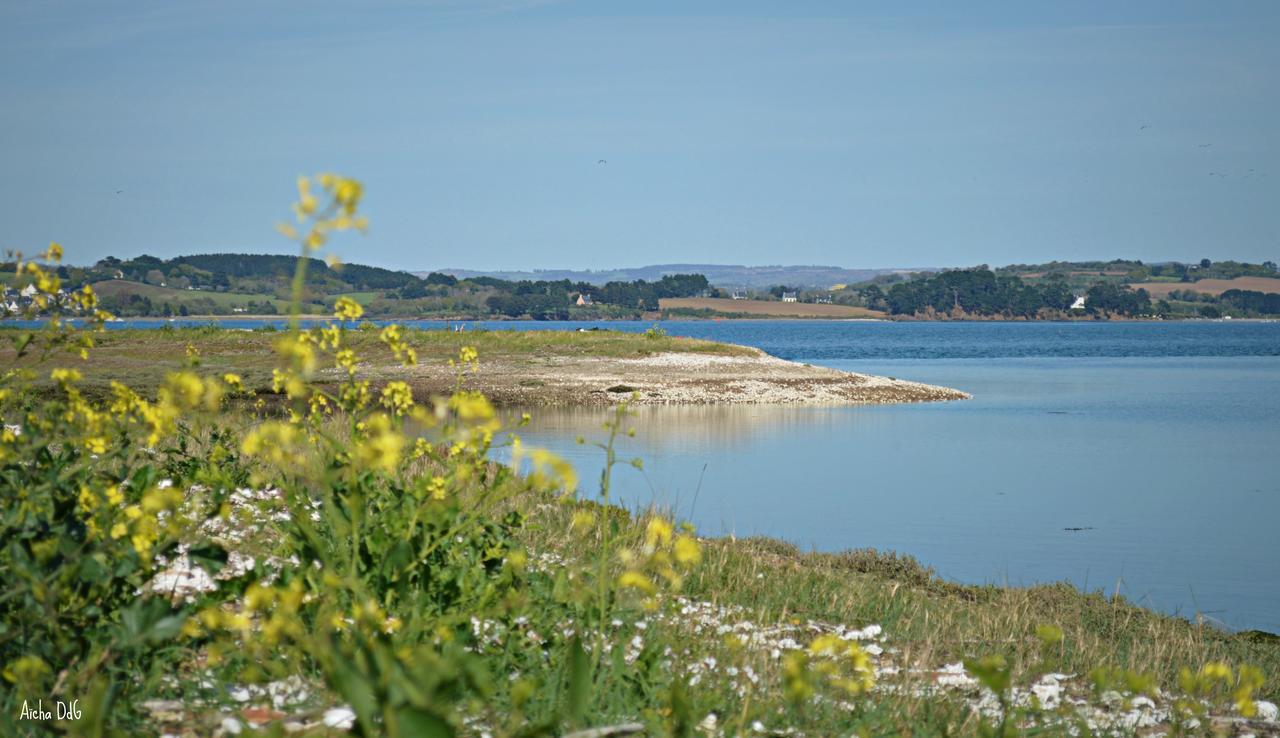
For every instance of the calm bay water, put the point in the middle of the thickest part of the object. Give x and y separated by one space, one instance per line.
1158 440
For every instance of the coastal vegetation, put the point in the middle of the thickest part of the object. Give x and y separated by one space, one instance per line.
1078 290
521 368
713 307
260 285
183 559
143 358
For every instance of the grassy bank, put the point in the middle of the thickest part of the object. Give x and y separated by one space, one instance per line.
519 368
142 357
760 591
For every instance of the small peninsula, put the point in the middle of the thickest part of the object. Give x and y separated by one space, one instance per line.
520 368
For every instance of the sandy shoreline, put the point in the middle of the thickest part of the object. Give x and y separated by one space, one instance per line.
668 378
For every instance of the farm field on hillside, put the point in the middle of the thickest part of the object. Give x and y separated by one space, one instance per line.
769 308
160 295
1212 286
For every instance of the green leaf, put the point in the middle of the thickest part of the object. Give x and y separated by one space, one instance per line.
579 694
991 671
354 687
681 709
21 342
413 722
150 621
210 557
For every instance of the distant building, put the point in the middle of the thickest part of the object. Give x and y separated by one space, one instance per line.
584 299
789 297
739 295
1078 304
823 299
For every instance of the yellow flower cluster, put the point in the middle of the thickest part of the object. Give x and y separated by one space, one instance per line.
546 471
347 309
8 440
338 214
279 607
393 337
144 522
1210 678
346 359
26 670
663 556
47 285
379 445
214 619
83 419
274 441
298 351
829 659
436 489
354 396
130 409
397 397
97 514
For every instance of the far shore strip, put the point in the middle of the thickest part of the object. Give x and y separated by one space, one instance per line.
669 379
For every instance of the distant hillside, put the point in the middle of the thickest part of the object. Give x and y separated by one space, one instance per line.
719 275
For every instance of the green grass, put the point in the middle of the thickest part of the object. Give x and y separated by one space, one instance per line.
142 357
364 298
160 295
933 622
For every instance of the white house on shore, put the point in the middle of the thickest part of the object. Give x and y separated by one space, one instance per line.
1078 304
789 297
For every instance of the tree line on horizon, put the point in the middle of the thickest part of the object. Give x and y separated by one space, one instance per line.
256 283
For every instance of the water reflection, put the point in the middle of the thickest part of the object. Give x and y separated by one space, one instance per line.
1161 463
689 428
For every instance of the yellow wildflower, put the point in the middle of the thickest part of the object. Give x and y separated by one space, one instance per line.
582 519
397 397
686 550
65 377
381 446
347 309
636 580
657 533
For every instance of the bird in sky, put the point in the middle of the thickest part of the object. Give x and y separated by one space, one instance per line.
1205 146
602 161
119 191
1143 128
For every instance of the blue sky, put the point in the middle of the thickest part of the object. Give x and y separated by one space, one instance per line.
854 134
